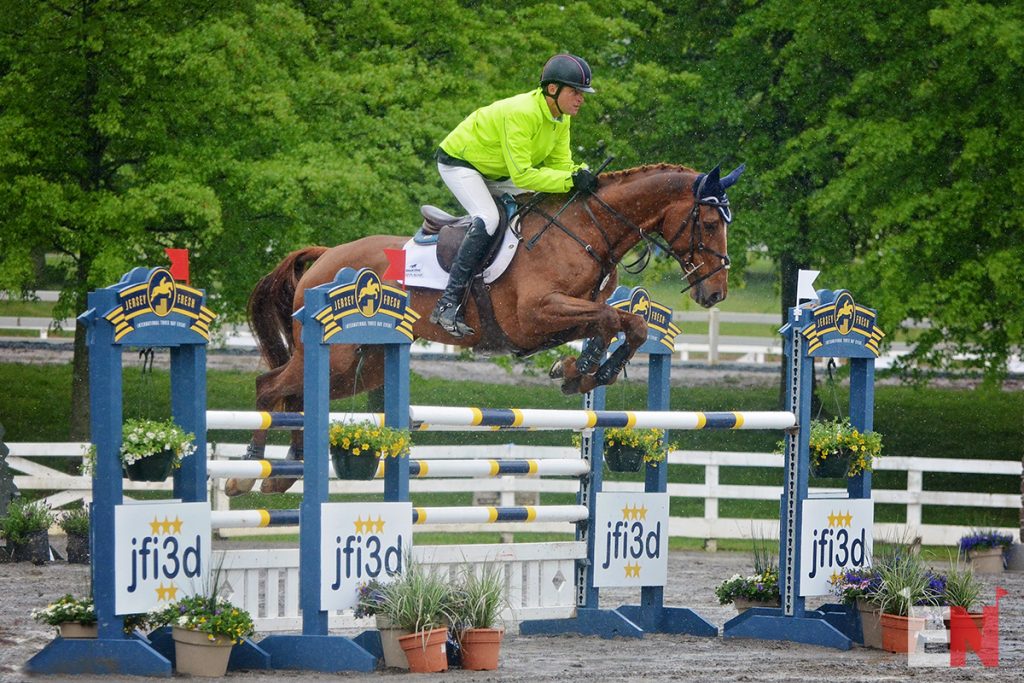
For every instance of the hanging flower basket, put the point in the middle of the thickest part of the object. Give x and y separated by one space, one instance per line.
834 466
348 465
621 458
357 448
156 467
150 449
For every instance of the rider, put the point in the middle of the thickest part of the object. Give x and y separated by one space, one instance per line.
513 145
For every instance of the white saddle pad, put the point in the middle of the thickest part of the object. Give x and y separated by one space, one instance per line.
422 269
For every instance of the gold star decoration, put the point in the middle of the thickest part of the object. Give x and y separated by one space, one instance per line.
834 579
632 570
634 512
847 519
176 525
154 527
378 526
833 519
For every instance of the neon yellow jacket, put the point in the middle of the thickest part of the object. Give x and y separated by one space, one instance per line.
516 138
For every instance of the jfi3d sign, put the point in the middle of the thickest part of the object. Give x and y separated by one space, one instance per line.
162 554
360 542
631 539
835 538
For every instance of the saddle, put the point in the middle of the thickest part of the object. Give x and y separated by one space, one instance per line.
447 231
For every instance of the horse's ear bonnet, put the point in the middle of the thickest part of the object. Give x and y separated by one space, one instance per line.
709 188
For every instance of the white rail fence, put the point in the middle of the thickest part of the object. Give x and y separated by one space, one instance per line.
27 459
538 576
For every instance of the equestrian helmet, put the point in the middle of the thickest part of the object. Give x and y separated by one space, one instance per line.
568 70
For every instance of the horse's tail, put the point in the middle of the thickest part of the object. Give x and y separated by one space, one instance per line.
270 306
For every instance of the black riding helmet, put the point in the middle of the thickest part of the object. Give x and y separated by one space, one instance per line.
566 69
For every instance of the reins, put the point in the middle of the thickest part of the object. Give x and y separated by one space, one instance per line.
638 265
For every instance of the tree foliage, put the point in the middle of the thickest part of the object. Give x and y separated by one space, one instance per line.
882 138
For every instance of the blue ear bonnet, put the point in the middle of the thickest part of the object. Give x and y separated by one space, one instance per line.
709 189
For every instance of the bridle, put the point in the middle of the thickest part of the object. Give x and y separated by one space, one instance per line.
687 263
697 245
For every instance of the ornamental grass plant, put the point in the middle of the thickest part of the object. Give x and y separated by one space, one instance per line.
478 597
24 518
962 588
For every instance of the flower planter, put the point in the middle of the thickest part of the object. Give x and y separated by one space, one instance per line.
348 466
155 467
426 650
870 624
197 655
899 634
35 548
480 648
71 629
986 560
832 467
394 655
78 549
977 618
623 458
743 604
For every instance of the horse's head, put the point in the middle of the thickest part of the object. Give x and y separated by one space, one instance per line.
696 231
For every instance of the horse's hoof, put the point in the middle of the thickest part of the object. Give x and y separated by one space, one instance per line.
556 370
236 487
277 485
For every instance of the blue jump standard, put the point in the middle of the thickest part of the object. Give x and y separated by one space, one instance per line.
768 623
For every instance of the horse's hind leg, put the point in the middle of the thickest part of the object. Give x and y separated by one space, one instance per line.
269 389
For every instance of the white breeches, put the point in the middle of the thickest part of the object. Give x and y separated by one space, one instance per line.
476 193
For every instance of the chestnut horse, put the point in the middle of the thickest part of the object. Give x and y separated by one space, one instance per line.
553 291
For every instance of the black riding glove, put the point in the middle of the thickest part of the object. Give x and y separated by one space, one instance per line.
584 180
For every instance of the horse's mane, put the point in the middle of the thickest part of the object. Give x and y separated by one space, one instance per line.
626 172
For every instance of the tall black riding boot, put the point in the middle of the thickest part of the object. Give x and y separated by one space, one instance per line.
448 311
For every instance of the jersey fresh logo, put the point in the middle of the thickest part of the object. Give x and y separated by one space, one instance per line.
362 300
836 537
360 542
660 328
843 322
158 301
161 554
631 541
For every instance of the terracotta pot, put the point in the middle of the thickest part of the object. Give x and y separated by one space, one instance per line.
394 655
155 467
348 466
197 655
743 604
480 648
986 560
78 549
72 629
426 650
621 458
870 624
899 634
977 618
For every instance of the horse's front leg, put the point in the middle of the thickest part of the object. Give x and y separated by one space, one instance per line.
600 322
635 329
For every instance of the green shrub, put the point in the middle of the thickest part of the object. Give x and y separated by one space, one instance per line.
24 518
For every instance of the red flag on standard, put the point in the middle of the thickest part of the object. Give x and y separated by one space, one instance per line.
179 264
396 265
